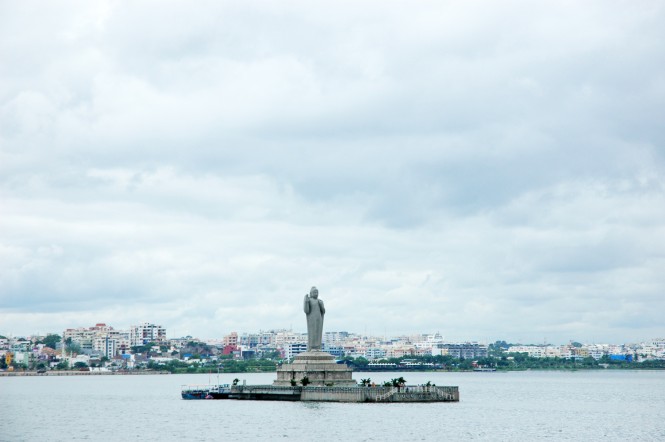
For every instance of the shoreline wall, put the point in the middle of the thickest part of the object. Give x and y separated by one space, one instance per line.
409 393
80 373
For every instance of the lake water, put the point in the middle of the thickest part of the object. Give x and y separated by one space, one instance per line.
533 405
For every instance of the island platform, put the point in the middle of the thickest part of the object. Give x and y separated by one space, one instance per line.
325 381
409 393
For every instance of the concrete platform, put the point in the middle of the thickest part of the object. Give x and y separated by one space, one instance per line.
410 393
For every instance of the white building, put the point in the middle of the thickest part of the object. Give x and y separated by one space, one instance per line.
335 338
144 333
95 339
105 345
284 338
435 338
533 351
374 353
293 349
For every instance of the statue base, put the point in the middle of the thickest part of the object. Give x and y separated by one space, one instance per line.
319 367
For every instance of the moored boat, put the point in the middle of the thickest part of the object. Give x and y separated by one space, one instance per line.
205 391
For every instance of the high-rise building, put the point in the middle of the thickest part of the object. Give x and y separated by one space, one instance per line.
144 333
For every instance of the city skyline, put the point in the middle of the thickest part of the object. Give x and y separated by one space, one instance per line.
172 335
477 169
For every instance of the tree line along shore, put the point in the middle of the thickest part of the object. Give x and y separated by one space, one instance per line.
509 362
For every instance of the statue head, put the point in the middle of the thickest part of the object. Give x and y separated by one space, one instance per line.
314 293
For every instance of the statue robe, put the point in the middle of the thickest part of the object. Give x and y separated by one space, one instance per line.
314 310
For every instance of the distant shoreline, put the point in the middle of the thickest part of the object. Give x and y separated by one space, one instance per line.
81 373
164 372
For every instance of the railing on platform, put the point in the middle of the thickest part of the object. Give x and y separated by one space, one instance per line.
386 395
373 394
379 394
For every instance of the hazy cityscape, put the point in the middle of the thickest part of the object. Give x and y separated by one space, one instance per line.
102 347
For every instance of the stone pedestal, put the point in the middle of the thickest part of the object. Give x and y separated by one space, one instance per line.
319 367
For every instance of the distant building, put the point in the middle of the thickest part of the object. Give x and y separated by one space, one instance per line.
400 351
229 349
180 342
467 350
374 353
283 338
335 337
293 349
107 346
21 345
250 340
144 333
101 339
231 339
335 350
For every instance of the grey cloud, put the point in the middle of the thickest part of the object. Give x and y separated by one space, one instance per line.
462 165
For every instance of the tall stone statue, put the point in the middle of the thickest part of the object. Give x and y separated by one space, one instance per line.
316 365
314 310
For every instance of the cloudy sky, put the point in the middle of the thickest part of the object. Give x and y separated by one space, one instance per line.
488 170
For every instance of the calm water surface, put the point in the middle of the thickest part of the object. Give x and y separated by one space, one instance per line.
583 405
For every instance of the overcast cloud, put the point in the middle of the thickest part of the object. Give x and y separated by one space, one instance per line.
488 170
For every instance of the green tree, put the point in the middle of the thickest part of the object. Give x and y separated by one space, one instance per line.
359 362
142 348
51 340
465 364
73 347
272 355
